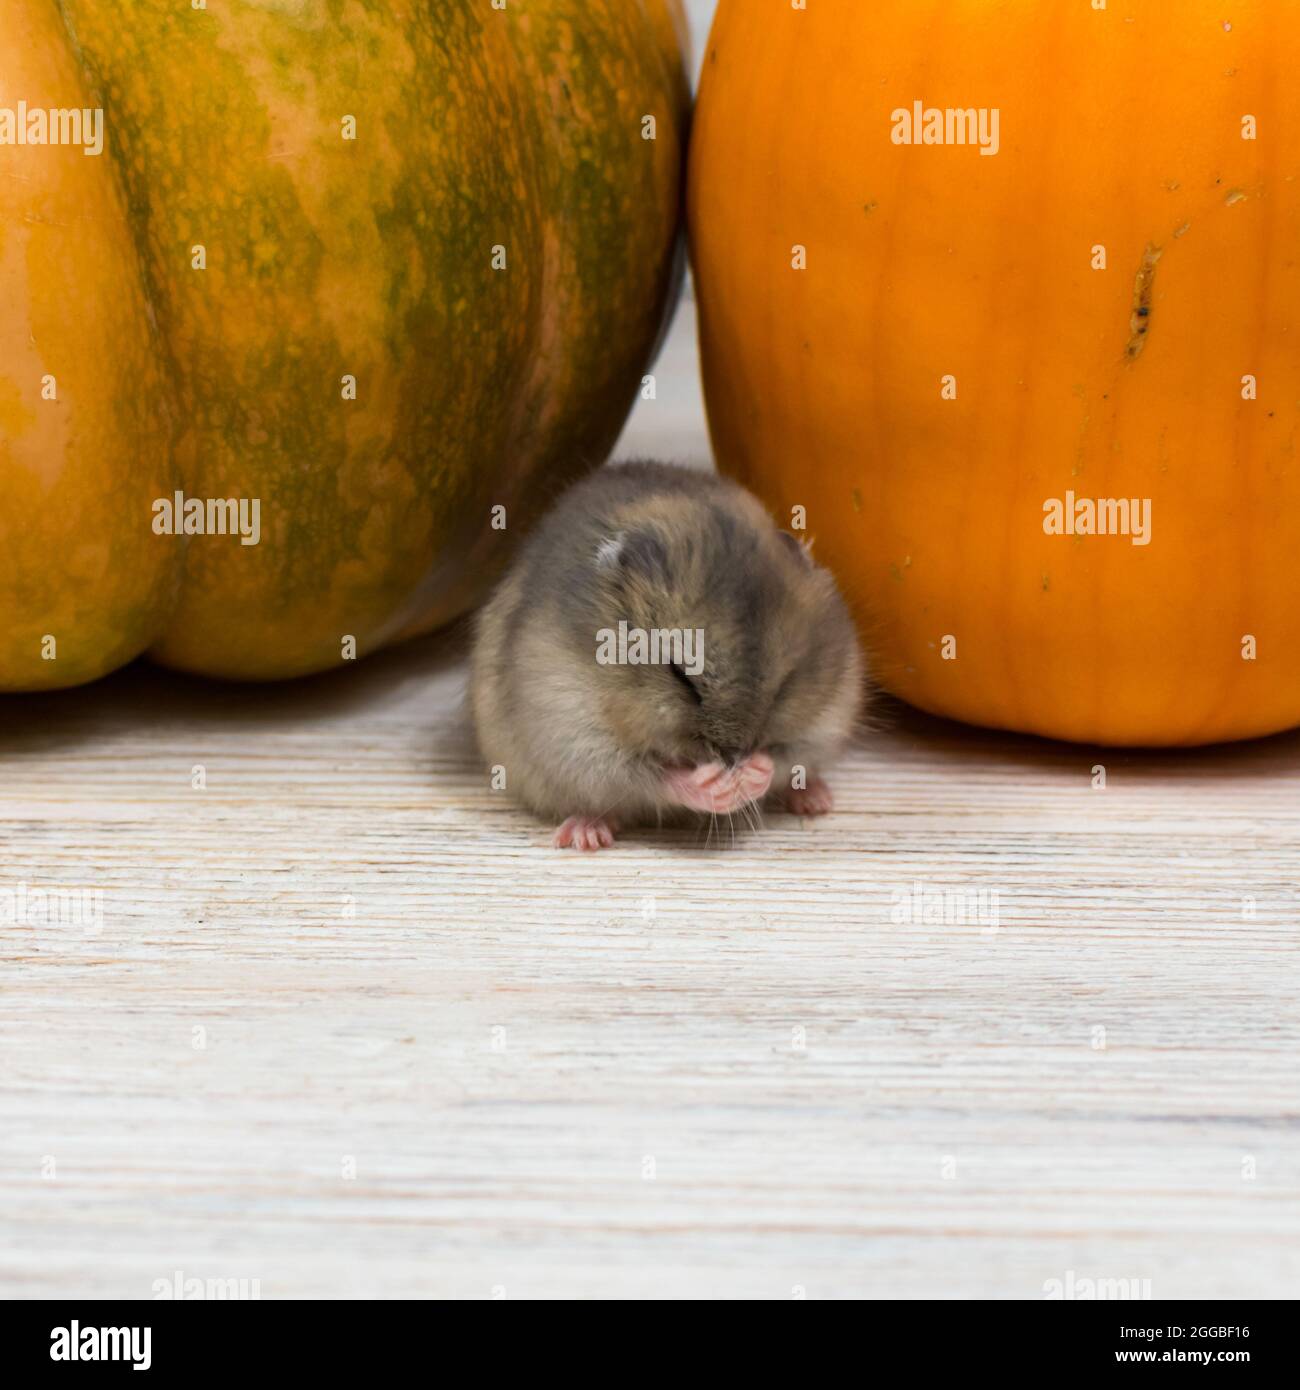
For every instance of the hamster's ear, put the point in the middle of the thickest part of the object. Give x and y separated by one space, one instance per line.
802 550
633 553
608 551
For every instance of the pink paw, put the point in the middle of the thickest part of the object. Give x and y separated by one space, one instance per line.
714 787
813 800
585 833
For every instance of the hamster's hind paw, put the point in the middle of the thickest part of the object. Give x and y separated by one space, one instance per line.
813 800
584 833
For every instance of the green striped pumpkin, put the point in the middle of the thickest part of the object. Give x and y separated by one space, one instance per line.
382 266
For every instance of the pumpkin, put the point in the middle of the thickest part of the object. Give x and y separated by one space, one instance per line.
1004 301
390 271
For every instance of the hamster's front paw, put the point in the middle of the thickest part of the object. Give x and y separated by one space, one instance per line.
714 787
585 833
813 800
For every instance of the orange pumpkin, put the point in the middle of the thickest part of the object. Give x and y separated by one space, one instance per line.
1007 298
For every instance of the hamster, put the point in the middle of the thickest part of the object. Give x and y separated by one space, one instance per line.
660 648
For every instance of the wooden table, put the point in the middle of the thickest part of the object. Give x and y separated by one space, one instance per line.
349 1026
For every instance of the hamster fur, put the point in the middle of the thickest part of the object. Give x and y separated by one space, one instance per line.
597 746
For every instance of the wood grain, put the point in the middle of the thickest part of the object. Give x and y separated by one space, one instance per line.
391 965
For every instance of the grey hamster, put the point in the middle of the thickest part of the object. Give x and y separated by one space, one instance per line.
657 648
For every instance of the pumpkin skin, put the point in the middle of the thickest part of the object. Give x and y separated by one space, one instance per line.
1122 129
325 258
79 579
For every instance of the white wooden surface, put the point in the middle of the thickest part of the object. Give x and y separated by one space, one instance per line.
350 915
